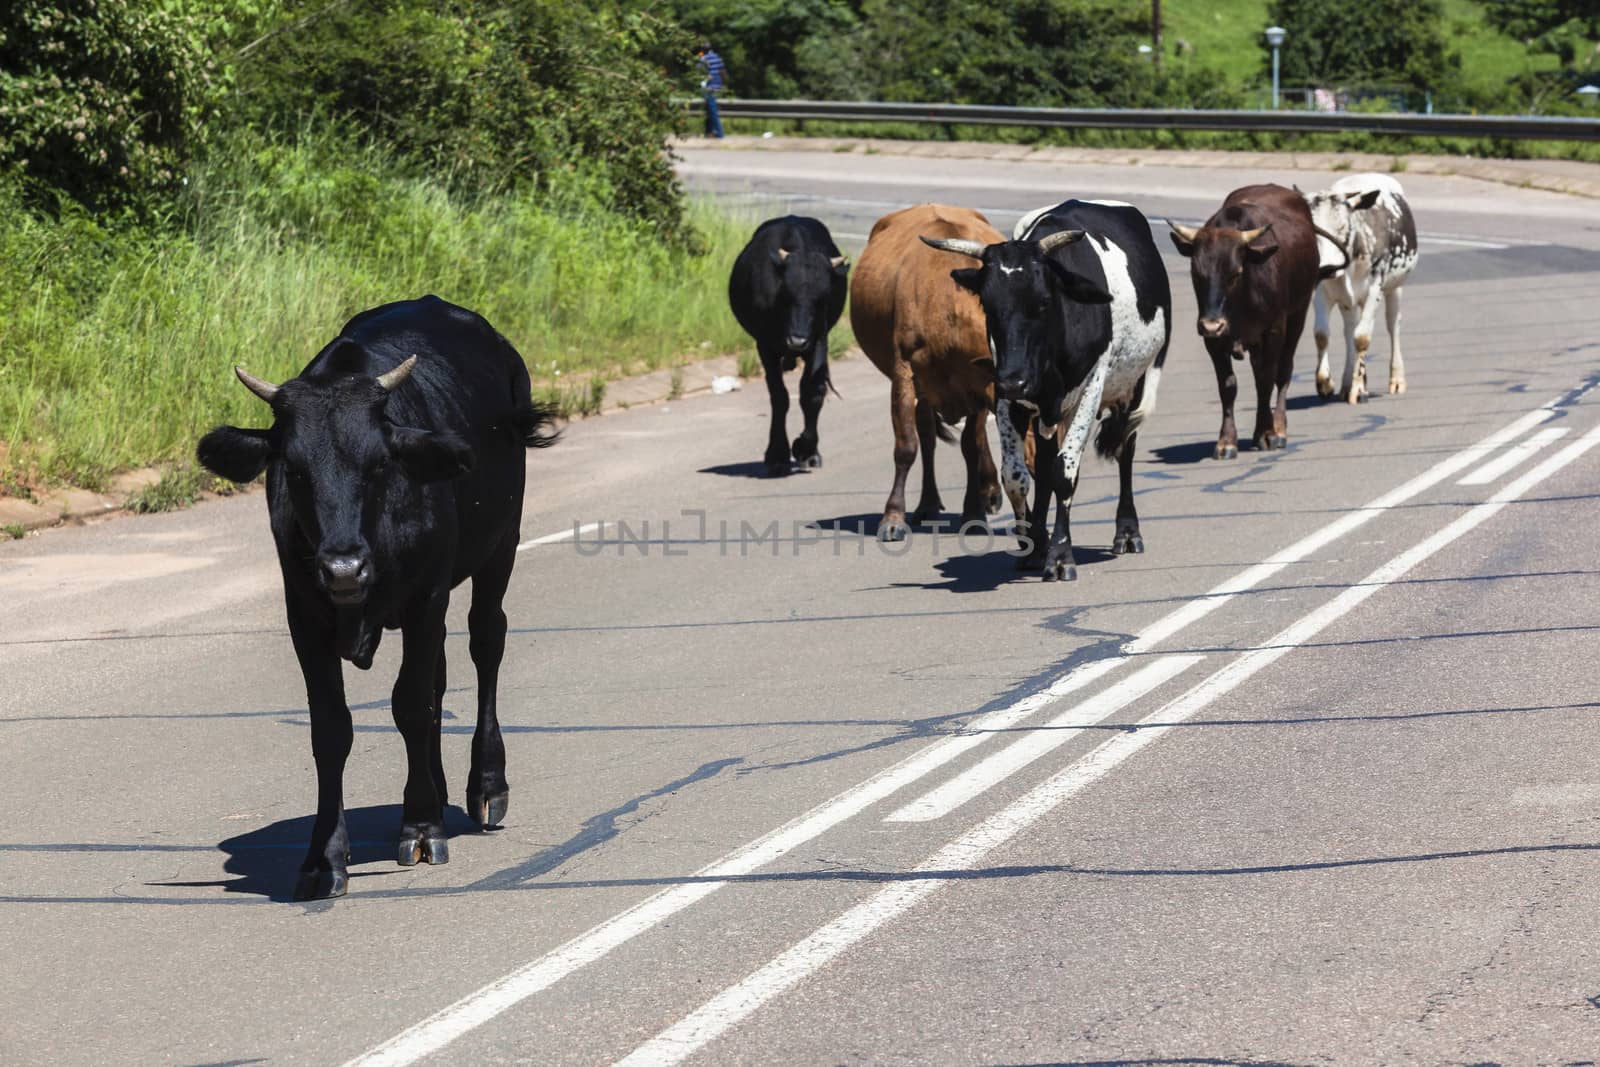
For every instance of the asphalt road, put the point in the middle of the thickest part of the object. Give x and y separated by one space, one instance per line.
1314 780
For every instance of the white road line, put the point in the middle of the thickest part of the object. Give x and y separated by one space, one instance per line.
1205 604
443 1027
944 799
1514 456
1430 239
734 1004
561 535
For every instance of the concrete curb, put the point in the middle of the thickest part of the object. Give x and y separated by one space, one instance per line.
1552 175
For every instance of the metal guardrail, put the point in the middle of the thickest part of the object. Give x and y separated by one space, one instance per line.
1515 127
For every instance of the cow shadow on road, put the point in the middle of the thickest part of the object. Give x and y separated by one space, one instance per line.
753 469
1185 452
266 861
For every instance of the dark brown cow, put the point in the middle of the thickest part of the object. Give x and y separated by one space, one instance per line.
1254 265
926 333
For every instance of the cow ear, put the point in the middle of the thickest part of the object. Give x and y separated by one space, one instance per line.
967 278
1183 244
430 457
1365 200
235 454
1078 288
1259 253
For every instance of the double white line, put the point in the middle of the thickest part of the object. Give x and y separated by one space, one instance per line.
734 1004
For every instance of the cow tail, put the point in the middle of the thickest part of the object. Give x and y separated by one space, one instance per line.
946 434
1114 430
533 421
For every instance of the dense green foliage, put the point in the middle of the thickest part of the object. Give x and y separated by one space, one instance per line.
101 101
1356 41
1022 52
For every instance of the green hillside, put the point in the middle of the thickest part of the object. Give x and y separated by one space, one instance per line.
1225 36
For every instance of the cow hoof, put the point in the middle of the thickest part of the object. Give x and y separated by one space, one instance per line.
1127 541
489 810
1226 451
1277 441
417 846
1060 571
777 470
812 462
893 531
1356 396
321 884
1031 562
992 504
1325 387
1395 388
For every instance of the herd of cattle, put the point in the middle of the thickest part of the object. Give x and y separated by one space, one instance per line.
394 467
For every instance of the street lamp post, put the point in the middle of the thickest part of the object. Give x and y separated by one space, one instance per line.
1275 36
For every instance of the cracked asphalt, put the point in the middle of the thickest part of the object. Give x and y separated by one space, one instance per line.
1378 848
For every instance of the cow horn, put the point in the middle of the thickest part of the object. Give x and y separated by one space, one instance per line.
958 245
1249 236
783 255
392 378
1340 245
1056 240
264 389
838 261
1188 233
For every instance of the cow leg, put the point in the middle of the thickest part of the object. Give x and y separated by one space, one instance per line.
1353 387
777 457
1319 328
1263 364
983 481
1221 353
1036 537
438 724
930 506
488 794
1397 365
324 871
1013 459
422 811
903 417
1084 412
1127 538
813 390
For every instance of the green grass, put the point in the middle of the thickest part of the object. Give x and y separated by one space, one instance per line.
116 349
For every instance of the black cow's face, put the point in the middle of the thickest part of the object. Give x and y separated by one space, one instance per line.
1020 286
1219 266
807 279
338 459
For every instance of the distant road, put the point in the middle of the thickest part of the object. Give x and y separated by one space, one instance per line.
1314 780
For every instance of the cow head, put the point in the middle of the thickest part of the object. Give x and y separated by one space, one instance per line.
1334 217
1021 287
1220 262
807 279
337 458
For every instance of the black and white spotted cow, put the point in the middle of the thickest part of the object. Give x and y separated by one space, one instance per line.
1368 216
1079 313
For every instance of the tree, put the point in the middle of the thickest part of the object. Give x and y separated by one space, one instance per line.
1363 41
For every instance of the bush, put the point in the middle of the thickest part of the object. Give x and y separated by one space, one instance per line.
101 101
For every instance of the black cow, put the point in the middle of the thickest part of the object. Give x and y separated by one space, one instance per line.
394 471
787 290
1079 314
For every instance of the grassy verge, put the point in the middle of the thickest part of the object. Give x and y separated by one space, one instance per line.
116 347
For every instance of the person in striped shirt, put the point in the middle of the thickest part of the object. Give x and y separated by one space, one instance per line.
712 83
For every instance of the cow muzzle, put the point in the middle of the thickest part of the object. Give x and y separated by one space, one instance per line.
345 576
1213 327
1012 388
797 343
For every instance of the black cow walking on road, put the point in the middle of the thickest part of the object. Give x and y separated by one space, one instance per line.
394 472
787 290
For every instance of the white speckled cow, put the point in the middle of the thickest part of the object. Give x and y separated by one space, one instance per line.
1369 216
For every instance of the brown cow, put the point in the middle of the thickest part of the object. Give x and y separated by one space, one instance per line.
1254 265
927 335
